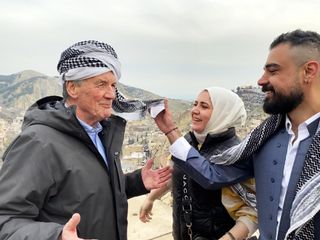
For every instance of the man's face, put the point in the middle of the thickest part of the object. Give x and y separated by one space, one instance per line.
281 81
94 98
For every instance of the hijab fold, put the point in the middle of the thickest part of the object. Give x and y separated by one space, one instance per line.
228 111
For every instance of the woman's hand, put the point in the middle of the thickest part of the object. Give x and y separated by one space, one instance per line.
146 210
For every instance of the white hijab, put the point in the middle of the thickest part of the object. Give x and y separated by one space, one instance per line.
228 111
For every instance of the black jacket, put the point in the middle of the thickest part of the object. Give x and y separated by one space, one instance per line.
209 217
53 170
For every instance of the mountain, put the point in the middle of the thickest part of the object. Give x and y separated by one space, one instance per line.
21 89
18 91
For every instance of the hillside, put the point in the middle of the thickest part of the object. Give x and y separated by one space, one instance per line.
142 138
18 91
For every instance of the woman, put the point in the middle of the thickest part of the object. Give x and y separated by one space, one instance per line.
199 213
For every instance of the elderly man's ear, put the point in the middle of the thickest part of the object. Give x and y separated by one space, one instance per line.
72 89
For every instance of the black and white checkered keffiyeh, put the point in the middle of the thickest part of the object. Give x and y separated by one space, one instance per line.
90 58
306 203
247 196
87 59
135 109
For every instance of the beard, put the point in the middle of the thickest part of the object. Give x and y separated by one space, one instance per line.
280 103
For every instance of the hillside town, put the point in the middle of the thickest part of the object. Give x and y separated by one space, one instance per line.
9 129
142 141
142 138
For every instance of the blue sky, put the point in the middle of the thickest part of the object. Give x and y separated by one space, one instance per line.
173 48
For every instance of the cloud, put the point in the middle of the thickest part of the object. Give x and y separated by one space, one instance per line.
172 48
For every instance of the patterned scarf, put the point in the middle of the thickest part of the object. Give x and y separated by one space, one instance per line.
90 58
136 109
306 203
83 59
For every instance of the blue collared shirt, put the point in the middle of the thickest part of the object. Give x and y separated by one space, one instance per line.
93 134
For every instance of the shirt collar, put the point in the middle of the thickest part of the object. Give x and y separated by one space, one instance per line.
305 124
91 129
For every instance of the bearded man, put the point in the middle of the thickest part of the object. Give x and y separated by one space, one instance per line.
282 153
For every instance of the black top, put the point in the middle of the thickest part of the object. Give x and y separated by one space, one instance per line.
209 217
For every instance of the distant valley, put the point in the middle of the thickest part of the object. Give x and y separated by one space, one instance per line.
18 91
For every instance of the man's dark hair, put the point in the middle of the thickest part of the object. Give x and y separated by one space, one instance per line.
305 43
298 38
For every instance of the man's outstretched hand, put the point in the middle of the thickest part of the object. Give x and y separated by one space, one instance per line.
69 231
153 179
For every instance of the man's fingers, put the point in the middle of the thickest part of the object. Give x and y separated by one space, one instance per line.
163 169
149 164
165 175
165 178
166 170
73 222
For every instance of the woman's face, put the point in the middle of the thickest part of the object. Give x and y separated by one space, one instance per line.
201 112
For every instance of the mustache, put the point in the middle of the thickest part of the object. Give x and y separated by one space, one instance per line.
266 88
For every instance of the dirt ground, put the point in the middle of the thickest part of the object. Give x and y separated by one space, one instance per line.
159 228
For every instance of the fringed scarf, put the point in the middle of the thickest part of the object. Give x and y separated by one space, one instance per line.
136 109
306 203
90 58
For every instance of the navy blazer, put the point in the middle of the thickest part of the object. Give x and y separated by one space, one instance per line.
266 165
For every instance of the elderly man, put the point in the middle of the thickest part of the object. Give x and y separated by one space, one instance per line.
65 163
283 152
